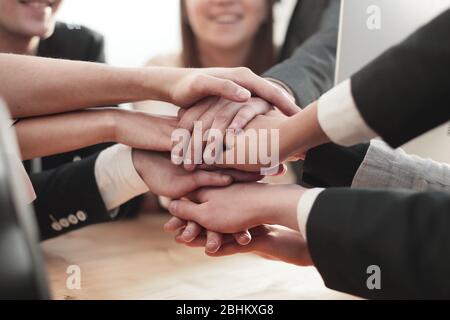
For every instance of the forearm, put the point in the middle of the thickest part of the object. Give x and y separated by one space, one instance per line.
301 133
42 136
384 167
48 135
36 86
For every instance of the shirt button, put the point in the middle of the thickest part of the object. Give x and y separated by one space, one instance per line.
81 215
76 158
72 219
64 223
56 226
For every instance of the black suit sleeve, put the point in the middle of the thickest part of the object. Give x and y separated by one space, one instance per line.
406 234
68 199
405 92
310 71
330 165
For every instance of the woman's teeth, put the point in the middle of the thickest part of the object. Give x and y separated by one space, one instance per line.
227 18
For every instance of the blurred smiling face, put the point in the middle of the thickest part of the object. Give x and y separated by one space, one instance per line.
29 18
226 23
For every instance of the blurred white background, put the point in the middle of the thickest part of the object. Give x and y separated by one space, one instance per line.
136 30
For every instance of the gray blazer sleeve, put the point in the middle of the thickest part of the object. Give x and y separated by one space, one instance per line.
384 167
310 71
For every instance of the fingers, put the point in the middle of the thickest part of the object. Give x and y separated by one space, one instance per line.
201 178
243 238
213 242
184 209
242 176
197 143
266 90
189 116
221 121
247 114
191 232
205 85
174 224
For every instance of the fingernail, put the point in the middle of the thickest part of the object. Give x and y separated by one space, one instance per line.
212 246
169 225
244 239
187 236
243 94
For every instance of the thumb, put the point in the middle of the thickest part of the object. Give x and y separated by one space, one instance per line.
203 178
184 209
213 86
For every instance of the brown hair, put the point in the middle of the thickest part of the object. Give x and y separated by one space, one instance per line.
262 53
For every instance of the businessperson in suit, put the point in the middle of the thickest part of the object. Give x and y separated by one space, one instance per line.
346 232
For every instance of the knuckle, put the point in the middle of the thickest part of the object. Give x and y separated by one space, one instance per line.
247 112
244 70
222 117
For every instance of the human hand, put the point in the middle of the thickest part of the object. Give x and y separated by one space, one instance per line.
240 206
260 147
271 242
141 130
159 173
220 115
184 87
188 231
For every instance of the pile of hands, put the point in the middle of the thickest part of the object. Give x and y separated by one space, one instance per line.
223 207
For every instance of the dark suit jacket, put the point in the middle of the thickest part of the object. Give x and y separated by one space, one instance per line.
67 194
312 38
400 95
307 67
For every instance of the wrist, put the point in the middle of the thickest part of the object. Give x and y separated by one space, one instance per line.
147 84
302 132
284 212
108 124
137 157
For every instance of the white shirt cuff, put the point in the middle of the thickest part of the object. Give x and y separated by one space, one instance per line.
340 119
117 179
304 208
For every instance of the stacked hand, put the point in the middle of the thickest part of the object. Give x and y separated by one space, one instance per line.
269 212
269 241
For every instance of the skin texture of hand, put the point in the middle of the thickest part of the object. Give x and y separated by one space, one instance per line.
189 230
141 130
240 206
218 114
159 173
237 84
74 130
271 242
247 145
34 86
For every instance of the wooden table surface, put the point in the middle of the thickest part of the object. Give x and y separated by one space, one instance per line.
135 259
